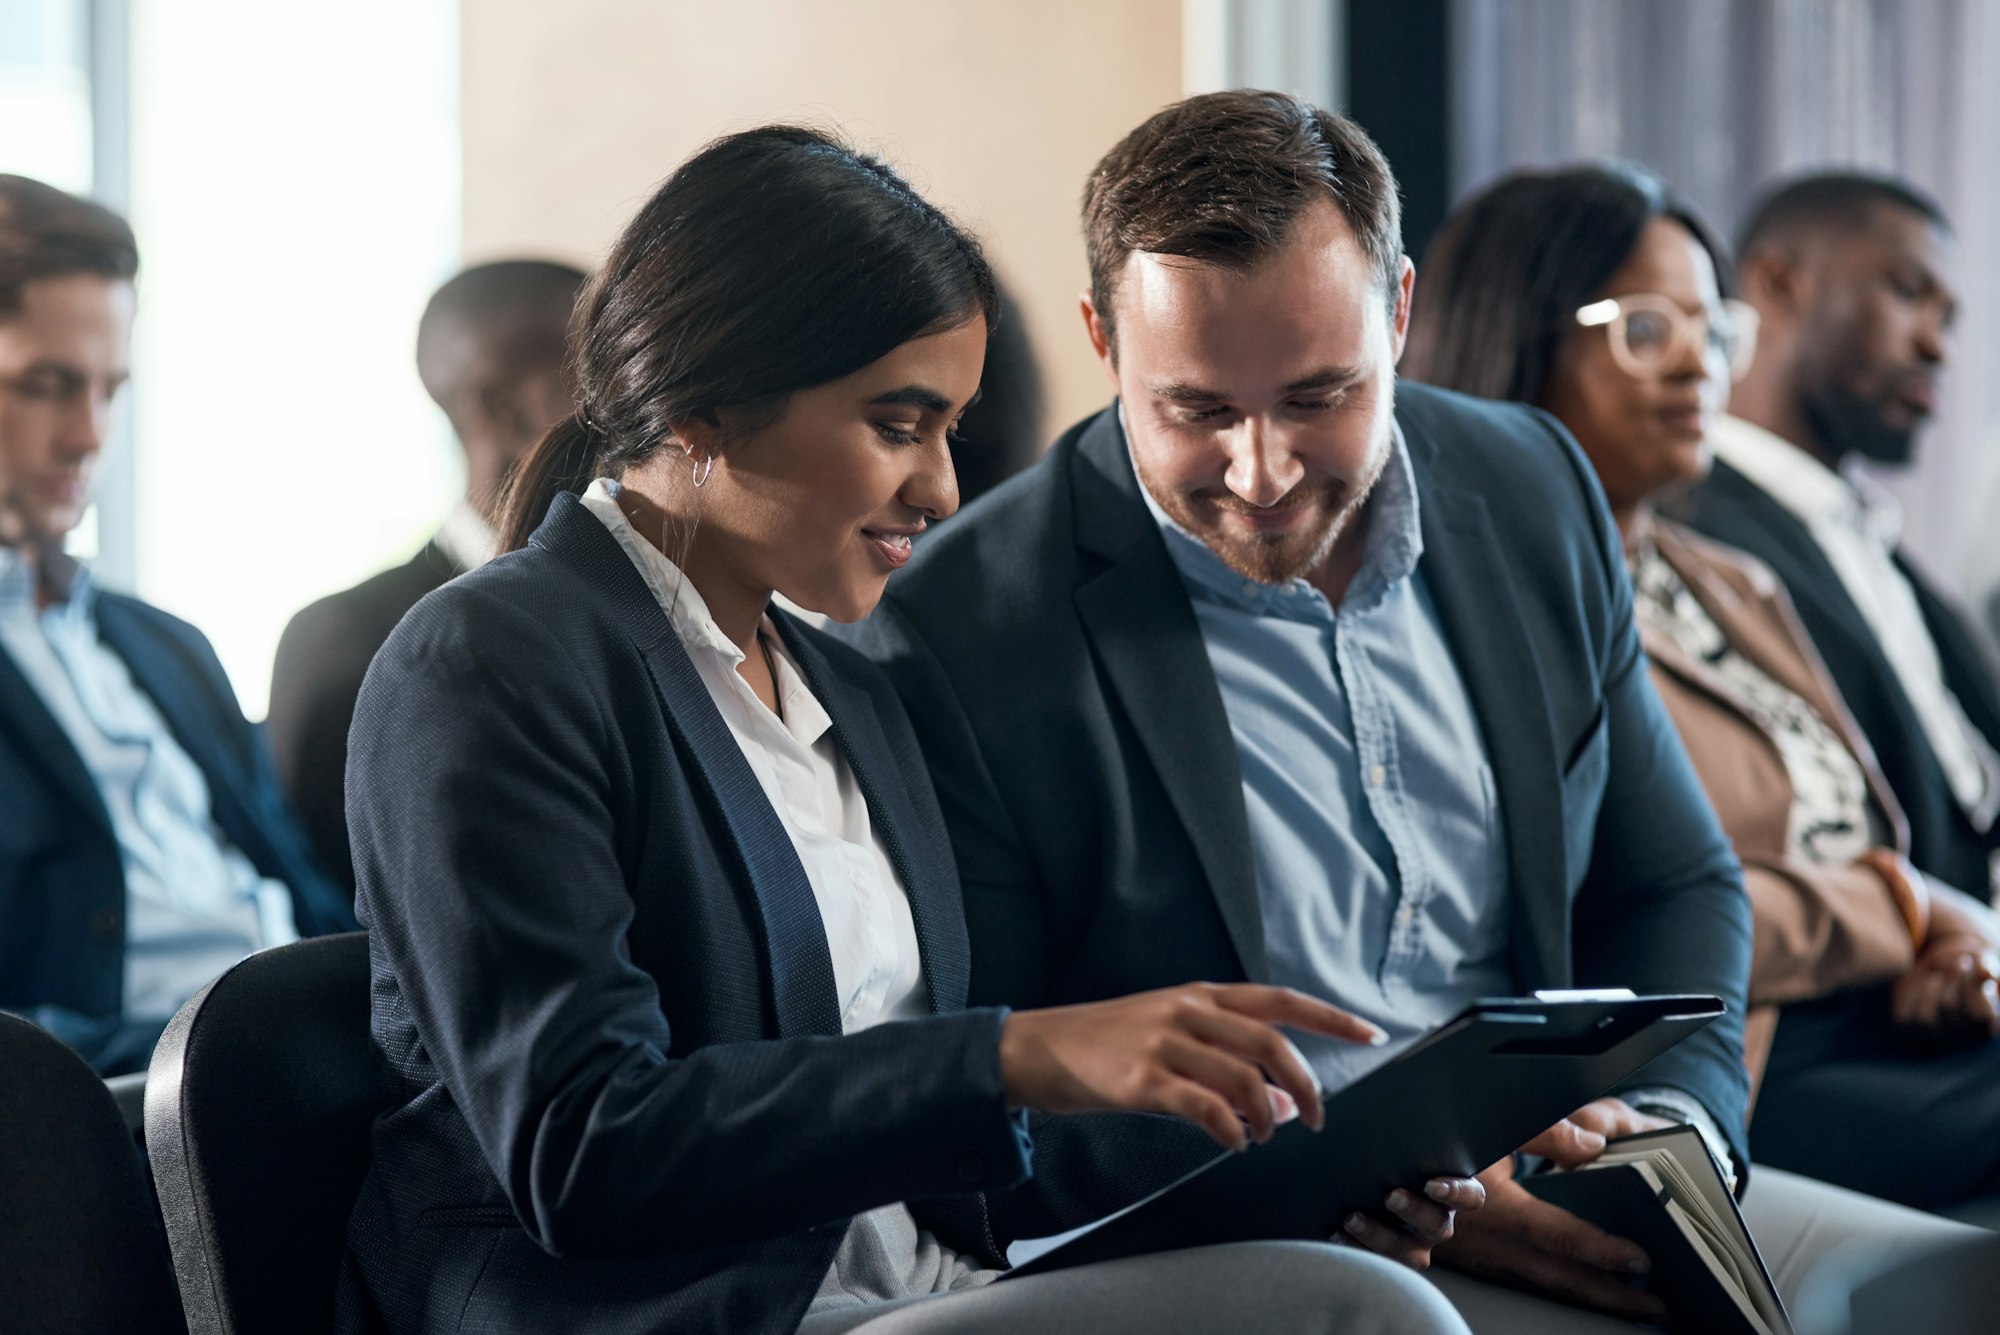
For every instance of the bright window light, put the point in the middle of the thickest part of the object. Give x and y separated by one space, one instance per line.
295 188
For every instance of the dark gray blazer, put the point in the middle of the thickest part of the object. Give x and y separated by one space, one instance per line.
602 982
1046 649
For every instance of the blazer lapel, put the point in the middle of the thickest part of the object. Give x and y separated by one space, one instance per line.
1142 626
1470 582
48 748
802 986
922 859
159 670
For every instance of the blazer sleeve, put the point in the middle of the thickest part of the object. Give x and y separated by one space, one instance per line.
314 681
1661 907
488 776
1820 929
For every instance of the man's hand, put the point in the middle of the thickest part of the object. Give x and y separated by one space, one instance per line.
1521 1240
1951 994
1423 1221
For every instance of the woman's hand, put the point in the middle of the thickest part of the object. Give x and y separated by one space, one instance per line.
1207 1052
1951 995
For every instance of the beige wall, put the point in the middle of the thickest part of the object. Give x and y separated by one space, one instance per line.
994 108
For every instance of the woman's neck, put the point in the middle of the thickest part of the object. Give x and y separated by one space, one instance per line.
736 606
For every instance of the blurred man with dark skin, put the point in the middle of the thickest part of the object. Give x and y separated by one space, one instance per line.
490 353
144 845
1852 278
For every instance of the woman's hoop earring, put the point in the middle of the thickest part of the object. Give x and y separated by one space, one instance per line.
701 473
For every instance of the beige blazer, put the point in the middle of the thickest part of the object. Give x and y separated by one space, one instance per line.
1816 929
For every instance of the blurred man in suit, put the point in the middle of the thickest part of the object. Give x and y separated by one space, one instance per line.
144 843
1852 276
1280 669
490 352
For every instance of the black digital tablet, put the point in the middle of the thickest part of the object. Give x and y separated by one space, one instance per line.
1463 1096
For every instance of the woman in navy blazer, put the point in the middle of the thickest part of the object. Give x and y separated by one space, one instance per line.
603 974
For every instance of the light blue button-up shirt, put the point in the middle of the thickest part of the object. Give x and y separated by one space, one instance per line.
1380 857
194 903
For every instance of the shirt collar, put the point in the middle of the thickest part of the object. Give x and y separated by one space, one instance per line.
1394 543
1804 485
63 575
687 612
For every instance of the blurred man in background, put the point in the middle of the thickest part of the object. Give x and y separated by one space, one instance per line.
144 844
490 352
1851 275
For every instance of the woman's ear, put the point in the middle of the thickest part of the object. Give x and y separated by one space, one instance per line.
698 438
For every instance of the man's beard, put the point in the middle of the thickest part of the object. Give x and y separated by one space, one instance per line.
1848 424
1279 557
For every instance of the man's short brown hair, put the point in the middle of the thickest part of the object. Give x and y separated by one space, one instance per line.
1220 177
47 233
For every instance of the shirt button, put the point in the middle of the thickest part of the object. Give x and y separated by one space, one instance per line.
1378 776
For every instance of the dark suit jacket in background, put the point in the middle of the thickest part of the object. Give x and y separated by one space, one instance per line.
1730 508
315 680
62 878
603 984
1046 649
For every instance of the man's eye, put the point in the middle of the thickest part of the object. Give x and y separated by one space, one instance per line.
1202 414
1316 405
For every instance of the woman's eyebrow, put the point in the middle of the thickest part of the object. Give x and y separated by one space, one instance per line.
921 396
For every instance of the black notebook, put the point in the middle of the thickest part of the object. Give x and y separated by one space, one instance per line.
1461 1097
1663 1190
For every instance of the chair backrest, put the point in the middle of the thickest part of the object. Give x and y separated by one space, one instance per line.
259 1106
81 1247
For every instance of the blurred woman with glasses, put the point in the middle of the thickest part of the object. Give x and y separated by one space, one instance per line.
1592 293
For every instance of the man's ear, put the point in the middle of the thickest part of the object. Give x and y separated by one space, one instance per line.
1776 283
1399 331
1100 339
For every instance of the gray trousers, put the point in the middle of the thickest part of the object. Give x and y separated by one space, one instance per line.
1813 1237
1286 1288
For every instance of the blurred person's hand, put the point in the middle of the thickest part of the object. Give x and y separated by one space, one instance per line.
1524 1241
1951 995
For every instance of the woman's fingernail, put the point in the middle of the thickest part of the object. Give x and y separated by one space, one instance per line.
1284 1108
1377 1035
1357 1225
1399 1199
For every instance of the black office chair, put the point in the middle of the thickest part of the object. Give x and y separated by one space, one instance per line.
258 1108
81 1247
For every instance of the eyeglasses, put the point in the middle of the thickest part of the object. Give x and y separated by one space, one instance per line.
1648 333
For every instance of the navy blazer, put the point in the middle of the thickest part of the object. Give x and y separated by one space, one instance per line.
1046 649
1730 508
62 878
602 982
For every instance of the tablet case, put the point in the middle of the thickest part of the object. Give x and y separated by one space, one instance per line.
1463 1096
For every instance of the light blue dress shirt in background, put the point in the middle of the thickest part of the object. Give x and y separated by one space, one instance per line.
194 904
1381 862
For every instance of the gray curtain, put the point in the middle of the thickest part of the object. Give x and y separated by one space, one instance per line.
1720 96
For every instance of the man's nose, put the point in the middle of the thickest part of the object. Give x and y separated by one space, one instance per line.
1262 467
86 426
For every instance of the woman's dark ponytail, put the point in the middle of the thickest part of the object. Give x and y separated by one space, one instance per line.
564 459
771 261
